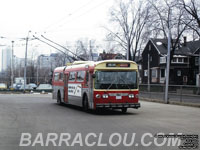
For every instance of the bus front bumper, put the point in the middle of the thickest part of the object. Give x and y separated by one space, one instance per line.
118 105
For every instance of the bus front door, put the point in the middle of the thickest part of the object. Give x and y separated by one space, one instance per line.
66 88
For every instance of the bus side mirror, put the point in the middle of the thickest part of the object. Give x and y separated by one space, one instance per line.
93 75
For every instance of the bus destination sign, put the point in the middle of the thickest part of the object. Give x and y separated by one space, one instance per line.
118 65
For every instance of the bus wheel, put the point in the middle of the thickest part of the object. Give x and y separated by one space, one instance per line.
85 103
124 110
59 99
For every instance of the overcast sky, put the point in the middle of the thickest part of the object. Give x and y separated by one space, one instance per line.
62 20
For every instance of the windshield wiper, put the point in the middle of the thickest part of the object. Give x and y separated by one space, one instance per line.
125 83
111 84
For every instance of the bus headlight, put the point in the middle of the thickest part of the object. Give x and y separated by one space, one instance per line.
105 96
98 96
131 95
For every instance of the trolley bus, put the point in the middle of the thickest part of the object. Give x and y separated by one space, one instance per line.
92 85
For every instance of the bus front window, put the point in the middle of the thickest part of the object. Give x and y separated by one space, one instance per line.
116 80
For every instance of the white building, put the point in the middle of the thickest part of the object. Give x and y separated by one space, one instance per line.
6 58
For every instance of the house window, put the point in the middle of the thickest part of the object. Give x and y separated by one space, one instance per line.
154 73
174 60
185 79
162 60
145 73
180 59
151 58
179 73
185 60
196 61
149 47
162 73
140 67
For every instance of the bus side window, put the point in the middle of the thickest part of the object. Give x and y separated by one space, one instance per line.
72 76
61 76
56 76
80 76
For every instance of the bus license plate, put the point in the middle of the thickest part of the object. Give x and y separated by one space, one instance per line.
118 97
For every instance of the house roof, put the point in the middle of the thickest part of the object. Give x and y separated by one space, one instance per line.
185 49
160 45
191 46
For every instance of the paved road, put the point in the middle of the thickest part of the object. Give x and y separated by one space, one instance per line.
40 114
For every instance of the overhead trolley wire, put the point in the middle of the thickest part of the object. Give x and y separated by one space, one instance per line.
76 17
69 15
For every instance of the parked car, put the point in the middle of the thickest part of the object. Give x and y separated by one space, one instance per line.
17 86
44 87
3 86
32 86
27 87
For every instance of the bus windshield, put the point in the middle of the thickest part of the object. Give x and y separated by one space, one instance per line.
115 80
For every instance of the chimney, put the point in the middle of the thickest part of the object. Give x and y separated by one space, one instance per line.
185 40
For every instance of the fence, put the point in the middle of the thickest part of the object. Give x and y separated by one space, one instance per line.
177 93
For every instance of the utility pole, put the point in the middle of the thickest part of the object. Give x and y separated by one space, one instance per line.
25 61
199 74
168 59
37 70
12 59
148 73
90 46
199 63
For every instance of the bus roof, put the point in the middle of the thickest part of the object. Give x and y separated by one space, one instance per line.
58 69
83 64
115 60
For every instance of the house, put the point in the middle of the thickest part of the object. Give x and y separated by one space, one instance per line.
183 68
107 56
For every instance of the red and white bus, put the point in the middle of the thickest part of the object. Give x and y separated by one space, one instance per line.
93 85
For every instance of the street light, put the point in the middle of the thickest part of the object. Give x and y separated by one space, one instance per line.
25 61
168 59
12 59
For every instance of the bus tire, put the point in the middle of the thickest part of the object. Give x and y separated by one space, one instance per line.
124 110
85 103
59 98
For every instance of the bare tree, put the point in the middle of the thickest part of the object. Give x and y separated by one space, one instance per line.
129 19
84 48
162 23
192 7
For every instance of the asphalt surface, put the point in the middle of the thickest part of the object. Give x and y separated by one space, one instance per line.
40 114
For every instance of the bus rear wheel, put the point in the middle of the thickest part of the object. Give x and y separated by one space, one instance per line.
124 110
85 103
